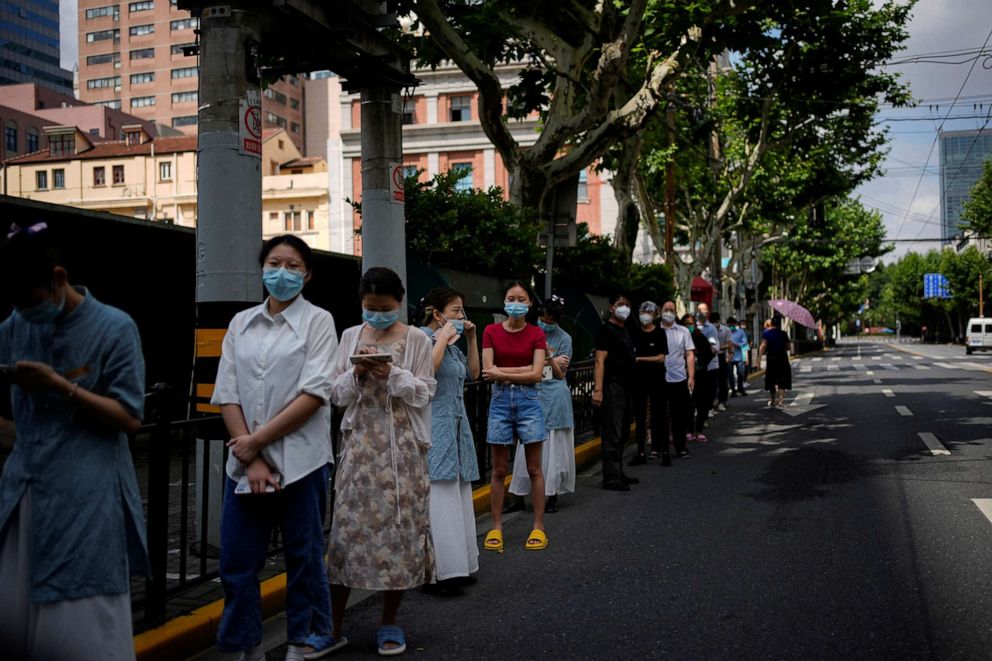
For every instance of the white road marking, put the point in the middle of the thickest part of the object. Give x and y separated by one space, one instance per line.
806 368
888 392
737 450
934 445
860 366
876 358
870 373
984 505
858 357
818 358
917 357
903 410
877 380
833 368
946 366
921 367
984 393
836 358
889 366
803 398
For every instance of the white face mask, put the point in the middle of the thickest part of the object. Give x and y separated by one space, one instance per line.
621 312
668 317
646 319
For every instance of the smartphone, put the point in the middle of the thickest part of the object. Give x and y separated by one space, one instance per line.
381 357
243 487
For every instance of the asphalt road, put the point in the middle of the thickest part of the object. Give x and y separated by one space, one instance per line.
830 529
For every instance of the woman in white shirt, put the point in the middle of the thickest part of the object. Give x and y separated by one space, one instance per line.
274 393
380 535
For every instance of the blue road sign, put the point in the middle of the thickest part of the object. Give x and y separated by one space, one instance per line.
935 285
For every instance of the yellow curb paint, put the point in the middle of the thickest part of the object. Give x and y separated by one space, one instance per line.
190 634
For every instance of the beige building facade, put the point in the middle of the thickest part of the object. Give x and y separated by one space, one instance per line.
155 179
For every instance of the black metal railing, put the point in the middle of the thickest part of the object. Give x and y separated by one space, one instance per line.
181 468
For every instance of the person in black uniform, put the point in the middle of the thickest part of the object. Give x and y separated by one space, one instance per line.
614 377
651 347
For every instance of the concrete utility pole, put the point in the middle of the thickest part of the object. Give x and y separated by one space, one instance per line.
383 210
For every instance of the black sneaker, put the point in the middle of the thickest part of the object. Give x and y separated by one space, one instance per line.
638 460
551 505
615 485
629 480
446 588
666 459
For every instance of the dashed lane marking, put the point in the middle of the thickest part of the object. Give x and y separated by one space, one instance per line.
877 380
806 368
833 368
946 366
888 393
818 358
984 393
933 444
870 373
835 358
984 505
921 367
903 410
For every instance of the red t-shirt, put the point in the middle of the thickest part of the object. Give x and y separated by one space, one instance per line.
513 349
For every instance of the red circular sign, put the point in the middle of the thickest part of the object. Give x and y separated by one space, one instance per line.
253 121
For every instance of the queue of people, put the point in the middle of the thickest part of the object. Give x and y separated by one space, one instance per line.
403 514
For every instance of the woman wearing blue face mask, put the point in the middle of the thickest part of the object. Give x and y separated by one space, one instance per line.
558 453
380 535
274 393
451 460
513 360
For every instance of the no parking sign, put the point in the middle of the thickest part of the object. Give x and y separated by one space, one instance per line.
250 124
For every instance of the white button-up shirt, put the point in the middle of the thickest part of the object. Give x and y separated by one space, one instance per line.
266 363
679 341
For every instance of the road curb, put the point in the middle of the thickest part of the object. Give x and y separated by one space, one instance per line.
195 632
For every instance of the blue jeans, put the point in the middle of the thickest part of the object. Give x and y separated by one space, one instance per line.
515 413
245 529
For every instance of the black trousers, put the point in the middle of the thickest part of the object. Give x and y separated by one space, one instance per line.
617 410
650 391
723 373
703 395
679 412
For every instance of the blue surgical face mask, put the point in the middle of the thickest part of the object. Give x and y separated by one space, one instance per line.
380 320
516 309
546 326
459 324
281 283
44 313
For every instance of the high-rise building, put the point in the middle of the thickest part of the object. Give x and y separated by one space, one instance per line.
141 57
29 39
962 154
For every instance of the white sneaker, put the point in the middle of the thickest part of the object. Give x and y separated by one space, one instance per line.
722 407
254 654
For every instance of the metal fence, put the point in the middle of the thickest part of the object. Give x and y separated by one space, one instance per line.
181 471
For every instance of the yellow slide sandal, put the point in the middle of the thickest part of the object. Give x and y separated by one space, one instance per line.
537 541
494 541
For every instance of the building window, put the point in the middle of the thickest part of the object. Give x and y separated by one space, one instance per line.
293 80
409 117
310 219
100 12
118 174
461 108
140 30
112 103
272 118
410 171
294 127
184 97
184 24
32 139
41 179
185 72
62 145
10 136
273 217
278 97
103 58
180 49
58 178
293 221
142 101
141 6
140 78
101 83
583 190
143 54
294 104
185 120
100 176
94 132
464 172
165 171
103 35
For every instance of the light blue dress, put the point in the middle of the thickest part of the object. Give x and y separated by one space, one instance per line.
81 476
556 398
452 454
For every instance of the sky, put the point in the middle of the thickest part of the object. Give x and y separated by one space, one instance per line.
910 202
68 33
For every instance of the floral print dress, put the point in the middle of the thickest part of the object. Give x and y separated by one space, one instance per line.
380 532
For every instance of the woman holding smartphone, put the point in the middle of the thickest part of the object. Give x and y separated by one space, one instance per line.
380 536
274 394
513 359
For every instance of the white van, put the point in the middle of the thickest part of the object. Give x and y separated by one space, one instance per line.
979 335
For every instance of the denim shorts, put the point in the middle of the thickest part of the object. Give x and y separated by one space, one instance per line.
515 413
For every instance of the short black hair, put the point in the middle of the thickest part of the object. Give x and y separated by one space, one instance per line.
554 307
27 260
617 295
379 280
715 317
294 242
777 321
731 320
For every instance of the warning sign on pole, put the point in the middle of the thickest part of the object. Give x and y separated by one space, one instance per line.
396 182
250 125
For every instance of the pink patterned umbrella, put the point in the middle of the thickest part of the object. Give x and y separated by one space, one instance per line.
793 311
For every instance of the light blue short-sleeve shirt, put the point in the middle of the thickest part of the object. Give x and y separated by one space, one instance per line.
82 479
556 398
